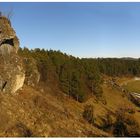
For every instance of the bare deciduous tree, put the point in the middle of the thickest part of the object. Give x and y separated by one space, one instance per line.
8 14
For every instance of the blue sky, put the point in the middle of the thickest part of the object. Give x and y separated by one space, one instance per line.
79 29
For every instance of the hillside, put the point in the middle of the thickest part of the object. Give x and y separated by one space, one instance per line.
47 93
82 82
44 113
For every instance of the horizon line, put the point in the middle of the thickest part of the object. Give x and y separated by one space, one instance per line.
83 57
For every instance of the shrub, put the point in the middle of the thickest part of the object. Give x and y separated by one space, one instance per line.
107 122
125 124
88 113
23 130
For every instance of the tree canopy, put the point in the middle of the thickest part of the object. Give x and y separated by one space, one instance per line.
76 77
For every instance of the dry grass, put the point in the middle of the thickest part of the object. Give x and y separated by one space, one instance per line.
43 114
115 98
133 86
52 113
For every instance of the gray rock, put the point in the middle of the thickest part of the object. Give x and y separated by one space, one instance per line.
12 73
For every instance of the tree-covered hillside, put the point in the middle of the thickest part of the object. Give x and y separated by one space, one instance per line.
79 78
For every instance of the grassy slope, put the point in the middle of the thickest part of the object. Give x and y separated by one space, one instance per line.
52 113
133 86
43 114
115 98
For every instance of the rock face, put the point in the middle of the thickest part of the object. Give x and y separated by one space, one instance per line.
32 75
12 74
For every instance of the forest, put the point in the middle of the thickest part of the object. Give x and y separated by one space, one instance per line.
79 77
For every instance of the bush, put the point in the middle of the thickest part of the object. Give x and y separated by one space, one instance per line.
19 130
107 122
88 113
125 124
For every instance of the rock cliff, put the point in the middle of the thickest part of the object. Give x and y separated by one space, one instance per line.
12 74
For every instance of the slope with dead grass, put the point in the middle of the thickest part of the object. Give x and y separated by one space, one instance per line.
47 112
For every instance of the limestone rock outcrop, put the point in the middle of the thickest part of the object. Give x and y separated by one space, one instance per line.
12 73
8 35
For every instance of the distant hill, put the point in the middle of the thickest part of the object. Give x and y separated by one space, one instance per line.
129 58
